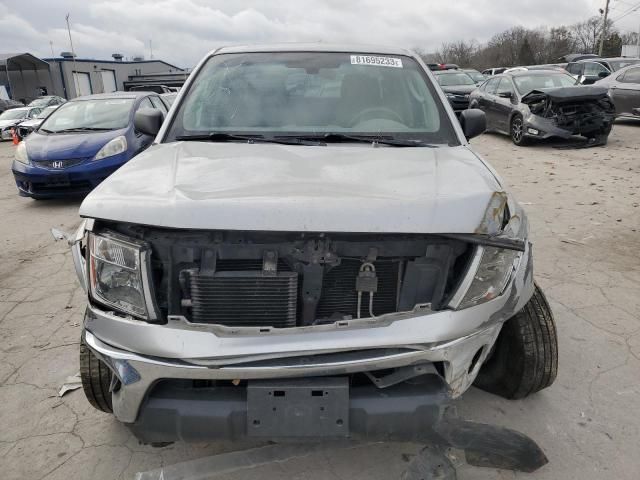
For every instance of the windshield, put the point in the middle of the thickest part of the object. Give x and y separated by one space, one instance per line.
313 94
13 114
45 113
102 114
476 76
618 64
527 83
451 79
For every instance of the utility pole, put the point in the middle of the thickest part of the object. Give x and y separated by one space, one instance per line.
151 49
75 74
604 28
51 45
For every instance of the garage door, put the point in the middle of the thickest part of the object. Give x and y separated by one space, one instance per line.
82 83
108 81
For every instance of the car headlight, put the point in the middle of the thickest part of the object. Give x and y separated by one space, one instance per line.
493 269
21 153
116 274
114 147
450 95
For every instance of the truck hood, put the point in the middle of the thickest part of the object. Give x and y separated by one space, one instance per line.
335 188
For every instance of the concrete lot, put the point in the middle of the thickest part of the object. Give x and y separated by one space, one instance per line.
585 215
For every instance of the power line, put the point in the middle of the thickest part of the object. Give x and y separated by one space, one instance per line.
628 12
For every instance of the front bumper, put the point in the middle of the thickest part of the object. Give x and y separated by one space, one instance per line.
41 182
547 129
141 354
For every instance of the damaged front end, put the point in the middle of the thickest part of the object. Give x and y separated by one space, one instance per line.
566 111
180 316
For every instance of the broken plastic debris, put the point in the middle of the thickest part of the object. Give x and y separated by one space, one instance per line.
70 384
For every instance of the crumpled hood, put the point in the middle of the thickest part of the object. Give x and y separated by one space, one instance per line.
355 188
68 145
566 94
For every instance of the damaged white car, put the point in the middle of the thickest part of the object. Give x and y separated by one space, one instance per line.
309 249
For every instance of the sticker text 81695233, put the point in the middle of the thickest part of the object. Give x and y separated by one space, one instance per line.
376 61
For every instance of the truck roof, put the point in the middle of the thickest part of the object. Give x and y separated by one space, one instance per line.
315 47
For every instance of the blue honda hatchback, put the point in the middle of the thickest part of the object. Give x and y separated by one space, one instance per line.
81 144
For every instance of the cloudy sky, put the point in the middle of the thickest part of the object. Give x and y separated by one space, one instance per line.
182 31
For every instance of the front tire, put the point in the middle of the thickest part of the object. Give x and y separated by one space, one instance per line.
525 357
516 130
96 380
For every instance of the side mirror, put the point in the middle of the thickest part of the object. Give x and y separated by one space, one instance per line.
148 121
473 122
505 94
603 74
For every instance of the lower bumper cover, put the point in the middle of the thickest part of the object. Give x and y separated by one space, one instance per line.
400 412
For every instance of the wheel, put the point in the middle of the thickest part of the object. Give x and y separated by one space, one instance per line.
524 359
517 131
96 379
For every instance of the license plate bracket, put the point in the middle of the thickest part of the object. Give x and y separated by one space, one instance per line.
298 408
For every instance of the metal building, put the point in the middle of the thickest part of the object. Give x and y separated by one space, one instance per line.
25 77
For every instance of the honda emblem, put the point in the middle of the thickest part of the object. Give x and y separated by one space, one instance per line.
57 164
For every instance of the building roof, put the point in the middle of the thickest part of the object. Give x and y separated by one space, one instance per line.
24 61
116 62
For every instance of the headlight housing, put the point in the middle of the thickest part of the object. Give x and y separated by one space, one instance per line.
21 154
117 271
114 147
493 269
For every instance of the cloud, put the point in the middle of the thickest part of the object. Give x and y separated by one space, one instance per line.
182 31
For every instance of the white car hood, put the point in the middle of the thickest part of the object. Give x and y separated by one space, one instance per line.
5 123
335 188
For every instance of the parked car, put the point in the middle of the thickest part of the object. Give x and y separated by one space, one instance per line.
591 70
457 86
169 98
475 75
9 104
344 256
442 66
153 88
489 72
47 101
10 118
82 143
25 127
624 90
587 72
539 104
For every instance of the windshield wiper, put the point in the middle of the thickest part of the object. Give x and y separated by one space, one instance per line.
81 129
232 137
334 137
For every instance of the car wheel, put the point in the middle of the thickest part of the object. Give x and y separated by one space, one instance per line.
96 379
524 359
517 130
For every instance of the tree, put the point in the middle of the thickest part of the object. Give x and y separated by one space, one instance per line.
525 56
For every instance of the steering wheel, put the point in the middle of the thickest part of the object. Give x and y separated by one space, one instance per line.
368 112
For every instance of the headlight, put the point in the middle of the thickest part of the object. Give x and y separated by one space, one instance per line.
116 274
493 271
21 154
450 95
114 147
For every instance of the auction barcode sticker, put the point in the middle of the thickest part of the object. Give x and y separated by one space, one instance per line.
376 61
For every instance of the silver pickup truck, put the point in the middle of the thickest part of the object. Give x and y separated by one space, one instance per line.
310 248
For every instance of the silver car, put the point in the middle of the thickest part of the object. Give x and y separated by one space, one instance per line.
310 248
